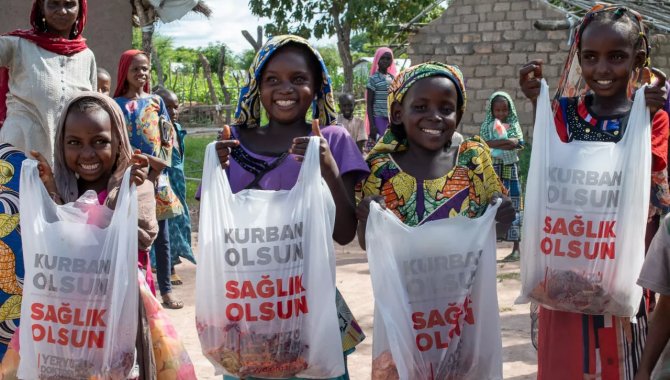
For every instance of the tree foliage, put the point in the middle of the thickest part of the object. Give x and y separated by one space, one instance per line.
327 18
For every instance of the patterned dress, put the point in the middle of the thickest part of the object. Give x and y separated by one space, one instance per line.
11 252
505 162
180 226
465 190
143 120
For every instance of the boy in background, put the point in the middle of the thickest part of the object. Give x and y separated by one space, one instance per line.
354 125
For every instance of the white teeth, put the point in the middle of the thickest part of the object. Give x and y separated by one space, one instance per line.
285 103
434 132
604 82
89 167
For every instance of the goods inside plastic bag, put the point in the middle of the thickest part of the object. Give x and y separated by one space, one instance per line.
265 285
585 217
436 306
81 284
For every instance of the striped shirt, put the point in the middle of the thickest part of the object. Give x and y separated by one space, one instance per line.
379 83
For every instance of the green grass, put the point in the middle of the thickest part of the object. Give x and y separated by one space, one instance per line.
195 155
524 163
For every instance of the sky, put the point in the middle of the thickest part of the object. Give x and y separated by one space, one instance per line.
229 18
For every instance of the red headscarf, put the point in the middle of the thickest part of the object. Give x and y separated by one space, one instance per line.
124 66
47 41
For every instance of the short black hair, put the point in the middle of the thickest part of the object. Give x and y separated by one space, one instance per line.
344 96
617 17
312 61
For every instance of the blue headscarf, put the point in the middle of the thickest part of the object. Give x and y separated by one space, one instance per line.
248 112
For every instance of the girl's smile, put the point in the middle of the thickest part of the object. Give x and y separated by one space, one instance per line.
89 150
138 73
428 113
287 86
607 59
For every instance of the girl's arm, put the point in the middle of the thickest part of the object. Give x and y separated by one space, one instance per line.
505 144
530 85
370 114
94 74
657 338
47 176
341 187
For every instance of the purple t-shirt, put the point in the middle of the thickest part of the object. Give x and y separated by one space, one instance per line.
283 177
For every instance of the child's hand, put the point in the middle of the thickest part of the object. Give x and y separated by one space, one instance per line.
329 169
46 174
657 94
139 170
529 79
506 213
363 209
224 146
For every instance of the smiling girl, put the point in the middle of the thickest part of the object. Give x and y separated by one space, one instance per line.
611 47
288 77
145 114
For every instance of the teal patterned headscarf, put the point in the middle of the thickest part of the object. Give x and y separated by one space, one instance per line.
513 132
248 112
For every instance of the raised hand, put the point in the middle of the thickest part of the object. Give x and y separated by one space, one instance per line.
46 173
328 165
224 145
139 169
529 79
657 94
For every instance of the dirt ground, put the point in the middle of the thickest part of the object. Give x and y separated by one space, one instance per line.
353 281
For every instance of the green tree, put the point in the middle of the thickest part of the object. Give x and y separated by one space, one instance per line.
327 18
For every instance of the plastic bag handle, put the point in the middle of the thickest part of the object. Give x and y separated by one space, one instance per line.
213 171
127 193
311 165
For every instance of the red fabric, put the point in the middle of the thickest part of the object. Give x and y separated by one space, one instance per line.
124 66
144 263
47 41
660 129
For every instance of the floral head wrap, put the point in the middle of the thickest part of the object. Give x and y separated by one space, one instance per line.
248 112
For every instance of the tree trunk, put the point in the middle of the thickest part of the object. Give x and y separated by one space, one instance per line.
221 73
343 31
147 17
190 95
159 67
207 72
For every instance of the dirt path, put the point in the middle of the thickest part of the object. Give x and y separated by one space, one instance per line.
353 281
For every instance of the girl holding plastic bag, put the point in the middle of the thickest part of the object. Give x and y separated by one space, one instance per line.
413 176
92 153
288 77
611 47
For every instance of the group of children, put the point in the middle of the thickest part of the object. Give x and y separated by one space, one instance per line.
412 169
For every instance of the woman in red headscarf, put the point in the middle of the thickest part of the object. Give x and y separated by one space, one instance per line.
42 68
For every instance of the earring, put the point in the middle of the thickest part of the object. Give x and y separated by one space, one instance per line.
76 28
44 23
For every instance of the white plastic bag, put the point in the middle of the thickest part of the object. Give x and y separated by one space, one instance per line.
585 217
265 285
80 297
436 306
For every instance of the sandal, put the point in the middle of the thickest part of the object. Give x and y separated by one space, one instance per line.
171 303
512 257
176 280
